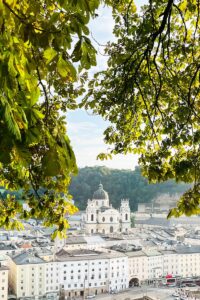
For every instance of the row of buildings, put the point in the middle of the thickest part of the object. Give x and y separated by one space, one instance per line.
82 272
108 256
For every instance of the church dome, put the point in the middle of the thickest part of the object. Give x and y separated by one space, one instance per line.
100 193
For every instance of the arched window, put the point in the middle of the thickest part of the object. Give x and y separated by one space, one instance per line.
92 217
111 229
103 231
126 217
103 219
92 231
111 219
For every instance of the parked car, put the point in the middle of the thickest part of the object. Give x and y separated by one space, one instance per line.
191 284
90 297
171 285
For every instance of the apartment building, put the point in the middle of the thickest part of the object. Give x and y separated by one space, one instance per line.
89 272
184 261
151 264
31 276
3 282
69 273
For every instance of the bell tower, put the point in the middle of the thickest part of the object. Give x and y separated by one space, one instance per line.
125 214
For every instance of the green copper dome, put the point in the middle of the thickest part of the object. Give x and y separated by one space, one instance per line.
100 193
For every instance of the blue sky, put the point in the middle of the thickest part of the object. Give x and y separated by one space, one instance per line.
86 130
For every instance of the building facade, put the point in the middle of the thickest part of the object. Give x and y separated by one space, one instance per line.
149 265
3 282
102 218
87 272
32 276
68 273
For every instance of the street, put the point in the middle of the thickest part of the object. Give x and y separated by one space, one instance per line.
134 293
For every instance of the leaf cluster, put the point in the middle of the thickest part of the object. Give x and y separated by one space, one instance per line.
150 91
44 53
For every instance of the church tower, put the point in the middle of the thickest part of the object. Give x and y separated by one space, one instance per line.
91 217
125 214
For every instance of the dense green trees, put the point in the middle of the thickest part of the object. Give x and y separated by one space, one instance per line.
150 93
119 184
44 51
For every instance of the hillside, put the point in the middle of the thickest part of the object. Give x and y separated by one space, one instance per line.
119 184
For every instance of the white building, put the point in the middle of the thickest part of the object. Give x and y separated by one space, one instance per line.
3 282
184 261
69 272
31 276
149 265
89 272
102 218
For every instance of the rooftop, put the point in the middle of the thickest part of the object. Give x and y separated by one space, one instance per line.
75 240
85 254
27 257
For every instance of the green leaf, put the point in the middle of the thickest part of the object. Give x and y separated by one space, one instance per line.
66 69
49 54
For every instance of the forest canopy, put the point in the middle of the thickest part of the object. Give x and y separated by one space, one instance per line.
120 184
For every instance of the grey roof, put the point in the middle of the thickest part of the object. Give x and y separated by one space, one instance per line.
171 222
168 251
187 250
27 257
75 240
86 254
152 252
100 193
154 221
4 246
135 254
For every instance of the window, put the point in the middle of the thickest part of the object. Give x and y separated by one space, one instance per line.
103 219
126 217
111 219
92 217
111 229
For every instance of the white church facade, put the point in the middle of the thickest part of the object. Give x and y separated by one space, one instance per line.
102 218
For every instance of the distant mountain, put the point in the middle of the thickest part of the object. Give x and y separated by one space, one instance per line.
119 184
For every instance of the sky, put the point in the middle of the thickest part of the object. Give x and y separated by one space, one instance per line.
86 130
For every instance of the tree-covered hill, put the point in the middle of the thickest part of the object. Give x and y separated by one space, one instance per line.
119 184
